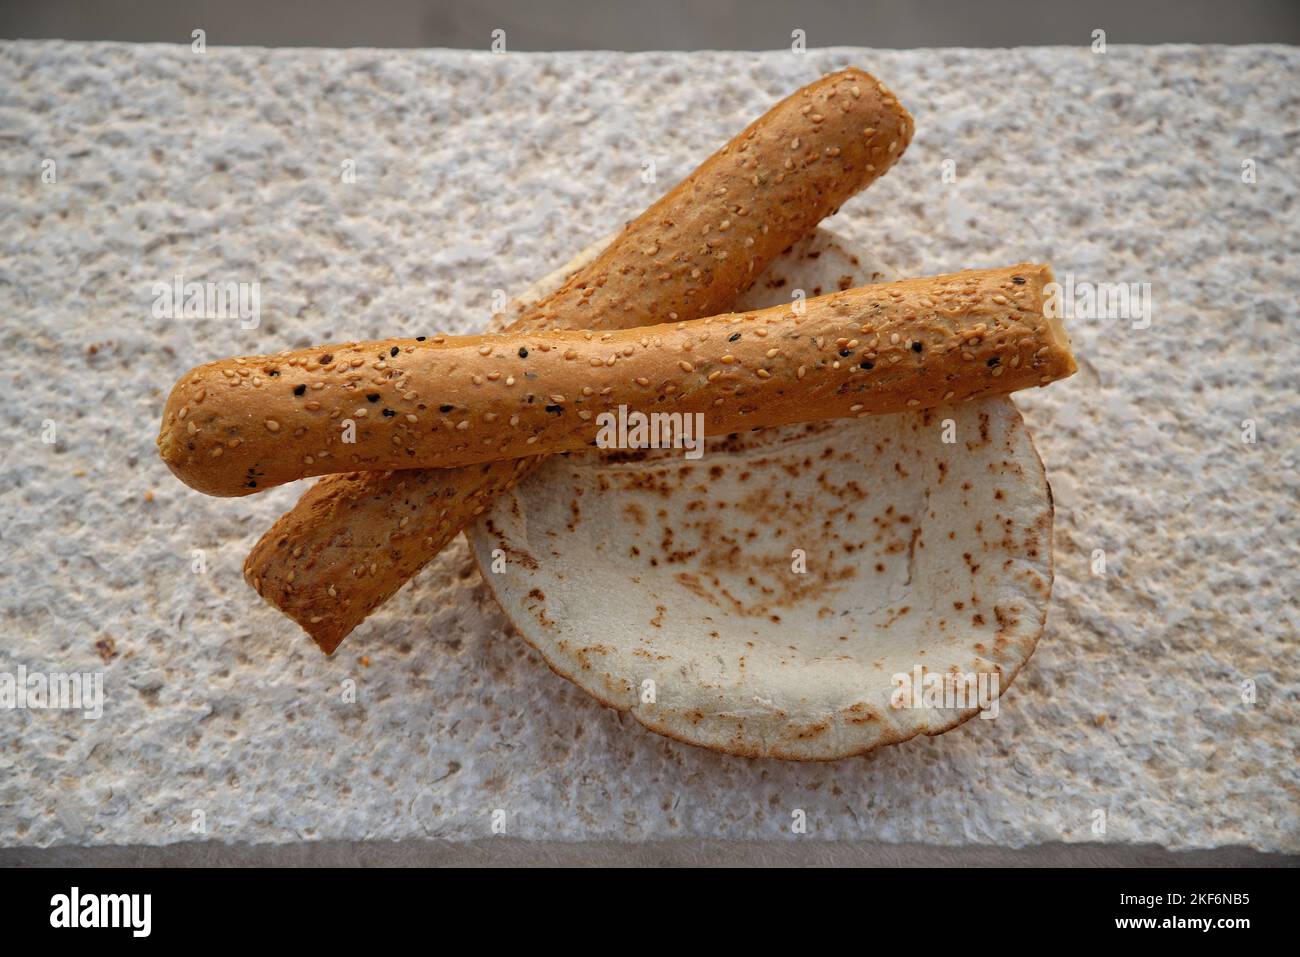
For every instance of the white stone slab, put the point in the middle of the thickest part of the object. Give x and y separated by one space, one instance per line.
477 172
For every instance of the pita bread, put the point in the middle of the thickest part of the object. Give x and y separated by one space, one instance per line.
761 600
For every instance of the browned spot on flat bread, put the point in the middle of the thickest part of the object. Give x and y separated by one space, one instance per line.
536 606
512 554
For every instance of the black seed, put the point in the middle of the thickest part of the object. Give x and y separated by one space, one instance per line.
250 485
917 347
1018 280
446 408
555 409
389 413
420 338
299 389
845 353
734 337
866 365
394 351
523 353
327 358
373 397
994 361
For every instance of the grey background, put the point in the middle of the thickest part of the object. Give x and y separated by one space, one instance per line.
655 25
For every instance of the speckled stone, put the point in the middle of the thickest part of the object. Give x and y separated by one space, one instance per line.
477 173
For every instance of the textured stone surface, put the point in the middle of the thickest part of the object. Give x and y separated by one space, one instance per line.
477 173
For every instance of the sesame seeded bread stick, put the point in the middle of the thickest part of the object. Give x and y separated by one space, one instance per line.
885 348
353 540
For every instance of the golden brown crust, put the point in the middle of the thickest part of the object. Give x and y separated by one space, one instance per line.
691 253
343 550
457 402
354 539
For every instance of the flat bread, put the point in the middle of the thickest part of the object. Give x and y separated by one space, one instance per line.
770 598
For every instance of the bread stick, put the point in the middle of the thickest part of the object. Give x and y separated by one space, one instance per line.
353 540
462 401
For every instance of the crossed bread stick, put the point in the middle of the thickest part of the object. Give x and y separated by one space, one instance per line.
354 539
455 402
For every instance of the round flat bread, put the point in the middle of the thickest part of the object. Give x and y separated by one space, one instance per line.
795 593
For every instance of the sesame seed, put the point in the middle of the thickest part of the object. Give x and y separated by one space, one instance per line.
485 350
686 366
462 425
728 359
273 425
